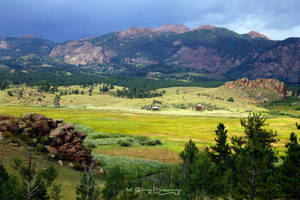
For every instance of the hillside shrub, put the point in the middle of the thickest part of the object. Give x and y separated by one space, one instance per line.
125 144
230 99
9 93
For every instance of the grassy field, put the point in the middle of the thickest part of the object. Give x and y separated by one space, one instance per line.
174 124
174 131
175 101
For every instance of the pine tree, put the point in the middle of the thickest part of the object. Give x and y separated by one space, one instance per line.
188 156
221 151
254 160
56 101
290 169
9 186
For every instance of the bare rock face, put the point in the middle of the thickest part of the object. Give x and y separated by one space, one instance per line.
280 61
80 52
271 84
173 28
205 58
209 27
254 34
137 32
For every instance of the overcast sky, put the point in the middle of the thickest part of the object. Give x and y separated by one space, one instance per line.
62 20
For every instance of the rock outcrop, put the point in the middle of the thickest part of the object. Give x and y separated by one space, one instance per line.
270 84
61 140
81 52
254 34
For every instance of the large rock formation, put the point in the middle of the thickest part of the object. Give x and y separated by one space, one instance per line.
60 139
270 84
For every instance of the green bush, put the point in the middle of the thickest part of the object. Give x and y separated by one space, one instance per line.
10 93
90 145
125 143
151 143
230 99
158 142
41 148
141 138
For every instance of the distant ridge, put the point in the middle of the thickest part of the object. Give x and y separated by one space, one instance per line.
171 49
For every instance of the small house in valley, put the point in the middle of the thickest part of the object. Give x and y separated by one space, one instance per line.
199 107
155 108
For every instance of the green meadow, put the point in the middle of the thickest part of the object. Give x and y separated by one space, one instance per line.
174 124
173 130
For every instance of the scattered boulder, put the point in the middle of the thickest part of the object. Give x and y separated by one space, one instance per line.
9 126
7 117
61 163
70 165
38 123
14 144
61 139
80 134
52 150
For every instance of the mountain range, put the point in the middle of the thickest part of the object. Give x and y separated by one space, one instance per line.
167 50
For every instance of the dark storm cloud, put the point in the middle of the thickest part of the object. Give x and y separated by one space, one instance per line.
61 20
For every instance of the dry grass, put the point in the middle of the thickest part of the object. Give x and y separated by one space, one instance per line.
159 154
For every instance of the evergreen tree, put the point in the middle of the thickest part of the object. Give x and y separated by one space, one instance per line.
221 151
56 101
254 160
4 85
9 186
188 156
290 169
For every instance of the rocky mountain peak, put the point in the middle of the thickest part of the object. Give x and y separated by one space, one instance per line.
136 31
173 28
254 34
210 27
